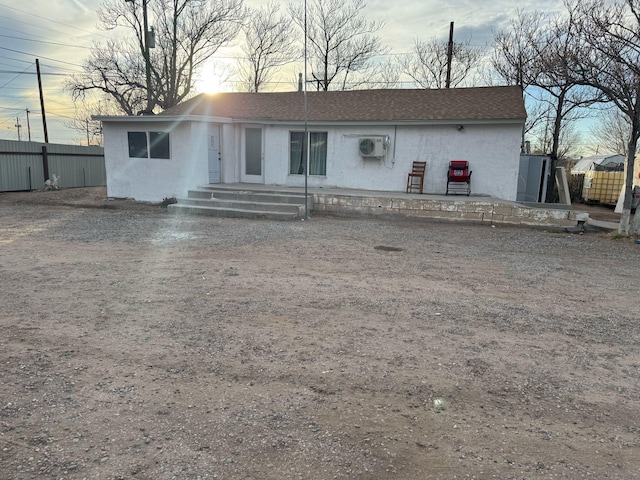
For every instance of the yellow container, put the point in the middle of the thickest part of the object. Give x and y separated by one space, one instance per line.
602 187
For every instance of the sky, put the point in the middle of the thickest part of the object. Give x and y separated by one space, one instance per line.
59 33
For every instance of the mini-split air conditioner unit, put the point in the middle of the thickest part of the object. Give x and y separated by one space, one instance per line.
372 147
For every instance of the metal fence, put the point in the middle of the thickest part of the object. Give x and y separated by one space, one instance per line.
27 165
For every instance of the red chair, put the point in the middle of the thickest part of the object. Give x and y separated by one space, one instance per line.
416 177
459 177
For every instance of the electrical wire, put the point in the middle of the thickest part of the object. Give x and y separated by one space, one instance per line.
14 78
13 109
46 42
47 19
16 60
35 73
37 56
30 26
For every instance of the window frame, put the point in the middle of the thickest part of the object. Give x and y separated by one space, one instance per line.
157 144
324 152
138 144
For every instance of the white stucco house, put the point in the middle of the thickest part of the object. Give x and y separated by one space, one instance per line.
362 139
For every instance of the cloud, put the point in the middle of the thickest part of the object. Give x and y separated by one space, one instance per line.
424 20
73 22
82 7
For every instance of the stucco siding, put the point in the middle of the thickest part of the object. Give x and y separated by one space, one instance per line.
229 153
492 151
155 179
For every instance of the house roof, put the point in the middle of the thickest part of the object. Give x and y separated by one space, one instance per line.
399 105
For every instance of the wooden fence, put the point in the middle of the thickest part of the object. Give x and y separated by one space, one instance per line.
27 165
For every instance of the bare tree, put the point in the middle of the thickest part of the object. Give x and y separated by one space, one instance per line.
560 44
516 49
83 123
538 52
384 74
215 74
340 41
269 44
537 113
187 33
544 135
611 34
117 71
427 64
611 131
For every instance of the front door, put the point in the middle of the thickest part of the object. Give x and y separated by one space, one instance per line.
252 167
214 153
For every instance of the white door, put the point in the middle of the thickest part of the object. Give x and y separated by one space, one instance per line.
214 153
252 158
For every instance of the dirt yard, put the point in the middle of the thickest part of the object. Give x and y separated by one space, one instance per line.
138 345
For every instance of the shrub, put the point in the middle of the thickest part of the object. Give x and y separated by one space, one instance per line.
575 187
166 201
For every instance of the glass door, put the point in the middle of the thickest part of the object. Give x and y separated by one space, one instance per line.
252 168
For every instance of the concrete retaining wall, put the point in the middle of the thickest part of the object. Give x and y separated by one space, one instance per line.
467 210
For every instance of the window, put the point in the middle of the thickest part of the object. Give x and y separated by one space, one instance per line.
159 143
317 153
138 145
149 145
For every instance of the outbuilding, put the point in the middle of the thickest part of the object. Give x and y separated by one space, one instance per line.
603 163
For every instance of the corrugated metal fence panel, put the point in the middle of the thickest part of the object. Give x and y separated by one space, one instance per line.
77 166
22 168
77 171
20 173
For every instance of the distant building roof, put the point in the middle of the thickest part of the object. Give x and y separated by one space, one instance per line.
609 161
399 105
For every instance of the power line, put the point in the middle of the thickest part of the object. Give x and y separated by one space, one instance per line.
12 95
34 73
46 42
14 109
47 19
32 25
39 56
14 60
19 73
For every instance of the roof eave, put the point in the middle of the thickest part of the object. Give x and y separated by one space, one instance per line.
272 121
489 121
160 118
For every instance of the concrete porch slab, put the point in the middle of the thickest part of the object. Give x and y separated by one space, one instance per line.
473 208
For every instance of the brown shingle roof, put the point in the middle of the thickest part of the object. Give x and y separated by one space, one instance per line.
482 103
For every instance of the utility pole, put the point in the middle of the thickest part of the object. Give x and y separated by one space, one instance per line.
148 42
306 126
18 126
449 56
147 60
44 116
28 125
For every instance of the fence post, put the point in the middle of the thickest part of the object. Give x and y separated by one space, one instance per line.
45 163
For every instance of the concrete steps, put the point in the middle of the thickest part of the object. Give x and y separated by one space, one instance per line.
242 203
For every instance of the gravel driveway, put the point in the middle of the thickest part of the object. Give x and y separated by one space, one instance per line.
138 345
